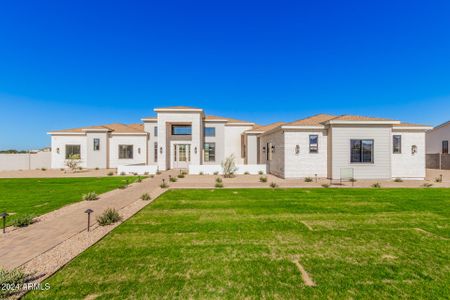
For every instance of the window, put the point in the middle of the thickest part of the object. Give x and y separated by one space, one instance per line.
444 147
155 131
313 143
210 131
210 152
181 129
125 151
96 144
73 151
361 151
397 144
155 153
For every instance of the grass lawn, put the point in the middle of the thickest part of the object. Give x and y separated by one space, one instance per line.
37 196
252 243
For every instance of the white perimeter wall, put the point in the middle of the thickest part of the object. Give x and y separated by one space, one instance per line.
138 141
25 161
382 136
305 164
233 142
435 137
405 164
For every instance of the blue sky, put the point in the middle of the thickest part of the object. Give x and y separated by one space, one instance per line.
68 64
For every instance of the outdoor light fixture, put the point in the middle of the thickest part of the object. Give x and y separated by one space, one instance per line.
57 150
89 211
4 215
264 149
195 150
160 150
413 149
273 149
139 150
297 149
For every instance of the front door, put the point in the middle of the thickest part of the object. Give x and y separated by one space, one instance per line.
181 156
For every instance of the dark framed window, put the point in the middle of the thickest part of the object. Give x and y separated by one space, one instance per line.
125 151
210 152
444 147
397 144
155 153
313 143
73 151
361 151
181 129
210 131
155 131
96 144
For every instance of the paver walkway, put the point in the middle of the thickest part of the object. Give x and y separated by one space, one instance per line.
19 246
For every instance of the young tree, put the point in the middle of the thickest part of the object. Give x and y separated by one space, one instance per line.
73 161
229 166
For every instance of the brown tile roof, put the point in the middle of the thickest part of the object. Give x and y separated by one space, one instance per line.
266 127
229 120
358 118
410 125
115 127
315 120
178 107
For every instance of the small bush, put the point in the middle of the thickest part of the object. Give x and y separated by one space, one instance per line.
146 197
246 173
110 173
181 175
201 173
325 185
139 179
146 173
135 174
219 185
122 173
260 173
427 185
62 169
219 180
263 179
23 221
80 168
353 180
376 185
43 169
173 179
273 185
11 278
163 185
216 173
152 176
438 179
97 168
90 196
158 172
308 179
398 179
183 172
108 217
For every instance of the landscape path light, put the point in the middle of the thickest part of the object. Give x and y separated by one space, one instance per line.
89 211
4 215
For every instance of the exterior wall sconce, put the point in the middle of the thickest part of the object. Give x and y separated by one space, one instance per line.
273 149
160 150
57 150
297 149
195 150
139 150
413 149
264 149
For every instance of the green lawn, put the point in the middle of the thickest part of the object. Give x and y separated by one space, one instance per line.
37 196
243 243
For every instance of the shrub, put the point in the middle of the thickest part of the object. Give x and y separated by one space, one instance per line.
263 179
72 162
216 173
110 173
23 221
308 179
145 173
97 168
139 179
201 173
273 185
219 185
219 180
90 196
62 169
353 180
11 278
146 197
152 176
158 172
376 185
246 173
427 185
325 185
398 179
438 179
122 173
229 166
260 172
108 217
43 169
183 172
163 185
172 179
181 175
80 168
135 174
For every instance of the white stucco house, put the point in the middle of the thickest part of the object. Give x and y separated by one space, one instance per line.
437 139
186 138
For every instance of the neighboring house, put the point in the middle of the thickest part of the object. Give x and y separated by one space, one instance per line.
321 145
437 139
